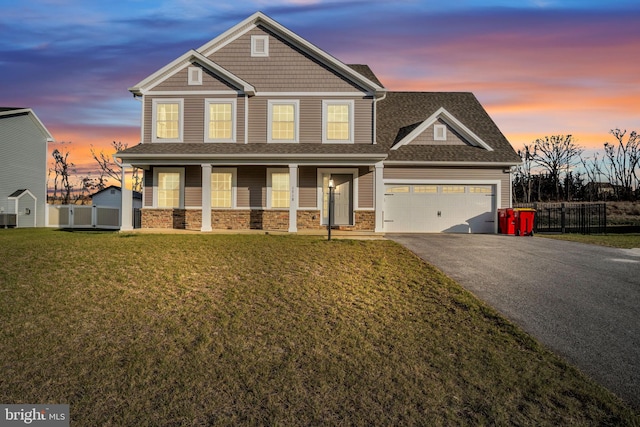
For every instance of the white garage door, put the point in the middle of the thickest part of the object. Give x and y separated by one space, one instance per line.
439 208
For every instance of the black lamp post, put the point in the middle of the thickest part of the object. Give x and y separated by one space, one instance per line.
331 187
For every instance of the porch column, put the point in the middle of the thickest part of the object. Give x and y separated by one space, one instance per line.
206 198
293 202
126 204
379 202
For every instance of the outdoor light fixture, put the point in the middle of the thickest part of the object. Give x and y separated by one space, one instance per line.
331 187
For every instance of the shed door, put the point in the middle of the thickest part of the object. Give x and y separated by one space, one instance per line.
439 208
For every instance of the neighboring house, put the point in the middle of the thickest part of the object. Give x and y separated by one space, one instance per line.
247 131
23 166
112 197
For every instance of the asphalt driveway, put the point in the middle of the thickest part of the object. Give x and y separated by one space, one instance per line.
582 301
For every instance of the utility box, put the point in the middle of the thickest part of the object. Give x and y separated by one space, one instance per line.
524 221
506 221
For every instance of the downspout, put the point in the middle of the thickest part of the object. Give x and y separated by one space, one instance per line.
375 117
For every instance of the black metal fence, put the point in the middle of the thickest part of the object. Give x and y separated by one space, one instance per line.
584 218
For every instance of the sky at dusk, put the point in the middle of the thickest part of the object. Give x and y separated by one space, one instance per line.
540 67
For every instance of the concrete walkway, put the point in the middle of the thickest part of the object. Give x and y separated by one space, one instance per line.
582 301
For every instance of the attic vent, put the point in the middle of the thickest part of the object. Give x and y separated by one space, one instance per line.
195 76
440 132
259 46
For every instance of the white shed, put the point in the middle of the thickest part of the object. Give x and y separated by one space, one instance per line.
112 197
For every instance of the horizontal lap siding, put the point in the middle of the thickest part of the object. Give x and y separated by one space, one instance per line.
310 120
426 137
252 183
365 188
475 174
194 116
180 81
307 192
285 69
193 186
148 188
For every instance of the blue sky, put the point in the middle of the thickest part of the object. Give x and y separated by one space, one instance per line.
539 67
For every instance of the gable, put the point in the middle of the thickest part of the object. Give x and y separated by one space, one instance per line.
425 132
179 81
285 68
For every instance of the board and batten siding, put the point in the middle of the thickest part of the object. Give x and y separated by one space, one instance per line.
454 174
285 69
310 120
23 163
194 107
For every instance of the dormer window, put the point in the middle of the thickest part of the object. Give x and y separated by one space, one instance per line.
440 132
259 46
195 76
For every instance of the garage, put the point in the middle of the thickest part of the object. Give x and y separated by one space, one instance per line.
439 208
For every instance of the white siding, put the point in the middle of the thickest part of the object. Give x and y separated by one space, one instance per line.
23 162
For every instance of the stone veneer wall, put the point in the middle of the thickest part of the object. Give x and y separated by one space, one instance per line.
191 219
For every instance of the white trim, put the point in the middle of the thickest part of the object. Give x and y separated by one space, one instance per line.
192 92
293 198
271 171
215 44
234 186
206 198
448 118
234 118
126 201
255 53
325 104
337 171
155 186
378 201
184 61
297 94
296 120
438 163
246 119
194 76
439 132
154 117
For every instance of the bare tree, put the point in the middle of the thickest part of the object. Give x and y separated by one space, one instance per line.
556 154
594 173
623 162
523 172
110 170
62 169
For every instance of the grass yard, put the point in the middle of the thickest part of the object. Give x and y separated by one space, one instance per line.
173 330
625 241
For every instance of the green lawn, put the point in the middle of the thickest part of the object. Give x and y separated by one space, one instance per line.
626 241
172 330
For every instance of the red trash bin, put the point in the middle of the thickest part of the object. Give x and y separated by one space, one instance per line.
506 221
524 219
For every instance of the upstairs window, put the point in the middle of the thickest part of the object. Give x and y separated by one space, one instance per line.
220 120
167 120
283 121
440 132
259 46
337 121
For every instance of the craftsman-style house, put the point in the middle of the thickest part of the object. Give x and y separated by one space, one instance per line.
248 131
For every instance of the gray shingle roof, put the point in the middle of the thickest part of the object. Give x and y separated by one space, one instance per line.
366 72
401 112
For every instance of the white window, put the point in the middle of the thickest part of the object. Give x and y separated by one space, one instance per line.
220 120
337 121
259 46
223 184
169 188
278 191
195 76
167 120
283 121
440 132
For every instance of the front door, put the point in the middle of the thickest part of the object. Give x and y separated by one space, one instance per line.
342 199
